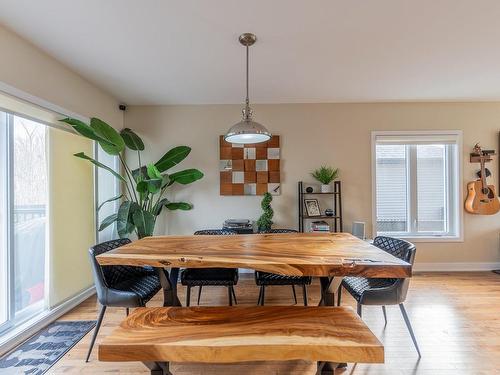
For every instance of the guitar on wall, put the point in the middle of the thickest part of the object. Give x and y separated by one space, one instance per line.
481 197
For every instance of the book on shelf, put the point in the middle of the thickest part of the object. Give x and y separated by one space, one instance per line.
320 226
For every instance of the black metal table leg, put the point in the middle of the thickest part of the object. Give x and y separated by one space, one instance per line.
328 289
158 368
169 286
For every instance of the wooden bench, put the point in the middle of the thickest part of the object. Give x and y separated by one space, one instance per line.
157 336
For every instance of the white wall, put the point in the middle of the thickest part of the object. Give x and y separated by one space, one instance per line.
311 135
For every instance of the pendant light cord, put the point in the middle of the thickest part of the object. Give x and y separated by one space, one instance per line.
247 101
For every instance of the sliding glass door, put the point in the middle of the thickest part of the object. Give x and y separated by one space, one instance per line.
23 219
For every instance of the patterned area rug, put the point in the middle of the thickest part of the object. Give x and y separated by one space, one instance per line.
41 351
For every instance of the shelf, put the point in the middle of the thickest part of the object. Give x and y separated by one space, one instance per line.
320 217
332 193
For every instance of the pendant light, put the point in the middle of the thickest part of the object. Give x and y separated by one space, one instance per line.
247 131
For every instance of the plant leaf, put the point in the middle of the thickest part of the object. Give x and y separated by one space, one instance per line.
153 172
139 172
144 222
132 140
109 200
186 176
81 128
179 206
108 221
114 143
82 155
159 206
124 224
172 158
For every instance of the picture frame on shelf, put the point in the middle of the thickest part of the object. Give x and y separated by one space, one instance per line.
312 207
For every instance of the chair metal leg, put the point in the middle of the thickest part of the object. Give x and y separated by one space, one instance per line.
359 310
234 295
199 293
304 294
188 296
385 315
339 295
408 325
294 294
260 296
96 330
263 295
230 296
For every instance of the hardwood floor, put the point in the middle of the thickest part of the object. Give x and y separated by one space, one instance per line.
455 316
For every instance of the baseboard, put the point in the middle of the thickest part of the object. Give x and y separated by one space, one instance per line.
457 266
18 335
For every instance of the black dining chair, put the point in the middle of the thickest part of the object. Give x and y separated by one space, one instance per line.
120 286
382 292
264 279
201 277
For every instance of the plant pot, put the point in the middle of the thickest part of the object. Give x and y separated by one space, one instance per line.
326 188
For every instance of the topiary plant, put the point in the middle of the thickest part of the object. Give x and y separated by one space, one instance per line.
265 220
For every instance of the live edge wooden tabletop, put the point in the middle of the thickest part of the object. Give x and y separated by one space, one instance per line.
242 333
296 254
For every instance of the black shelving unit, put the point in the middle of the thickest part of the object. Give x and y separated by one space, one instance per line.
336 195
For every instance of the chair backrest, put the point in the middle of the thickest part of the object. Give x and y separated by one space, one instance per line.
280 231
107 276
215 232
403 250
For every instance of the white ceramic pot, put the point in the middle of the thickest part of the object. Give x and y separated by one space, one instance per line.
326 188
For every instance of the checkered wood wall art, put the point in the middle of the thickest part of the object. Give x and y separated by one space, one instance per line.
252 169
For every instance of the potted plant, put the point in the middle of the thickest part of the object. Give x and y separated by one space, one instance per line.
145 186
326 175
265 222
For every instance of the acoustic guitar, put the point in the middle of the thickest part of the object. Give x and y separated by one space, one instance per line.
481 197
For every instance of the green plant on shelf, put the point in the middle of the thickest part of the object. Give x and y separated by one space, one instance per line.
325 174
145 187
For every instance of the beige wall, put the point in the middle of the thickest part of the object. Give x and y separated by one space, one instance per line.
29 69
71 215
26 68
315 134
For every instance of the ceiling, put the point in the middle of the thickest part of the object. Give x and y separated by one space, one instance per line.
186 52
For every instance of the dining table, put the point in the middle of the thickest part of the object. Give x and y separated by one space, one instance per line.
328 256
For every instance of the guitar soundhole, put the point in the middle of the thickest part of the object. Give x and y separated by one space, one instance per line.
485 191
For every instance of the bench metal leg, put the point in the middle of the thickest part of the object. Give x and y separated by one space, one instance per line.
339 295
385 315
359 310
262 297
294 294
304 294
158 368
169 285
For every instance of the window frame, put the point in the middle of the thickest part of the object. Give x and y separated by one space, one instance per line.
455 211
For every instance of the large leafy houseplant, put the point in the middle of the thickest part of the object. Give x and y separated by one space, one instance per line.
145 186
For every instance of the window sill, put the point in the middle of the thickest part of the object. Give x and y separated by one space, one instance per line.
429 239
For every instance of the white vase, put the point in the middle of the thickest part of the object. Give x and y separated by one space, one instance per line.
326 188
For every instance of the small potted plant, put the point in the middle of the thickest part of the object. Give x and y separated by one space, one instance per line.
326 175
265 220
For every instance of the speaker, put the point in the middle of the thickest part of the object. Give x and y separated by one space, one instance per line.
358 229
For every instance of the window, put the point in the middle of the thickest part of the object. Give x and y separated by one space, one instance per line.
416 183
23 196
